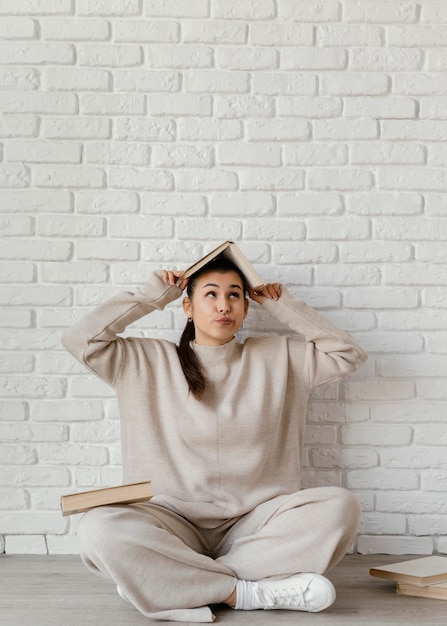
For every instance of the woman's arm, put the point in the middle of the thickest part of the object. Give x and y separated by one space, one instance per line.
331 352
93 339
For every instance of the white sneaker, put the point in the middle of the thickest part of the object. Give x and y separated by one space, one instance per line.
302 592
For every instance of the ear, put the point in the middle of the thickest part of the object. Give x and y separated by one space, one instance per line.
247 304
187 306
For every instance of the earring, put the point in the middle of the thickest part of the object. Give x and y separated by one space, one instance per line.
190 320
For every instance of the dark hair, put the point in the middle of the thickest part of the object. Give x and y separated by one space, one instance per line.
188 359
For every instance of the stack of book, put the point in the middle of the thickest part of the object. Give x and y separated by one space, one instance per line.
425 577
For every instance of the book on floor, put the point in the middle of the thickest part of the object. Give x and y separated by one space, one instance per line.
122 494
232 252
437 592
417 572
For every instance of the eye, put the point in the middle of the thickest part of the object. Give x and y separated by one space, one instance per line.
210 293
235 294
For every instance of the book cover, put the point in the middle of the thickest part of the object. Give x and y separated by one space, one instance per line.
230 250
420 572
437 592
122 494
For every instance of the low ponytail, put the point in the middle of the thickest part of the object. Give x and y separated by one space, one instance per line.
190 363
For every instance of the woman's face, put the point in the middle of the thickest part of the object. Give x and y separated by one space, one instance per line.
218 307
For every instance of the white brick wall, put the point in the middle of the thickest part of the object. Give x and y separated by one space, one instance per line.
138 134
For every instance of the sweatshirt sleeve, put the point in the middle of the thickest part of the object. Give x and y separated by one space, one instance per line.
93 339
331 353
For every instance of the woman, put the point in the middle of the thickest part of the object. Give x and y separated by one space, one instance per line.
218 427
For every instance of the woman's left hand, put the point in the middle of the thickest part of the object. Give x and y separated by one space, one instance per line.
271 291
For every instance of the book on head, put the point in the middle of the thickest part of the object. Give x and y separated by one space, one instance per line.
122 494
418 572
232 252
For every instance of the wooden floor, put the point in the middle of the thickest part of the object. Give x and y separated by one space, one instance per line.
58 590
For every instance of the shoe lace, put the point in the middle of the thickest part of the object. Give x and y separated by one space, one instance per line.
281 598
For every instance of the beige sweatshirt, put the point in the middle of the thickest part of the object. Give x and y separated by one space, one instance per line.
240 445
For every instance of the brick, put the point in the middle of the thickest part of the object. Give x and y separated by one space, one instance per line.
70 226
380 11
16 226
96 249
69 29
376 435
105 433
315 154
431 252
434 12
31 522
215 31
354 84
21 102
56 361
382 297
249 154
37 54
290 83
249 10
437 156
175 155
344 458
102 8
247 204
146 81
421 525
382 479
350 35
25 544
18 126
140 227
431 435
176 8
36 7
18 28
338 228
375 252
112 104
66 410
385 108
281 34
103 55
307 203
305 253
76 128
383 524
339 179
243 106
435 204
421 274
140 178
77 79
434 108
417 503
346 129
36 250
17 455
33 432
15 363
309 107
14 176
168 252
130 129
19 78
388 153
173 204
308 11
421 84
282 230
35 201
34 476
217 81
277 130
408 366
410 412
180 105
17 273
377 390
394 545
312 58
417 228
421 130
63 544
436 60
30 339
414 320
324 435
66 177
196 129
13 499
263 178
181 57
253 59
188 229
70 454
418 35
205 180
385 203
13 411
428 457
117 153
37 151
31 387
347 275
146 31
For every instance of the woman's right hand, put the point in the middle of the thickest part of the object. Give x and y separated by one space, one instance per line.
171 277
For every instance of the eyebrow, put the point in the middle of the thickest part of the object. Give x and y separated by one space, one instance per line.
214 285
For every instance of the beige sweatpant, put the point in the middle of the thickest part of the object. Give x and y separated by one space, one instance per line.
170 569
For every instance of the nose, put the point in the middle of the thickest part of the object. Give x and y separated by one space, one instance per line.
224 306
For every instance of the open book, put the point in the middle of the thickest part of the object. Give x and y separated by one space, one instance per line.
230 250
417 572
122 494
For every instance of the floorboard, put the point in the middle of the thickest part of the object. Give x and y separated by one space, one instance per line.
58 590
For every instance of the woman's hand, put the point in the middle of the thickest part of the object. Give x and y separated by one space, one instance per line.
171 277
271 291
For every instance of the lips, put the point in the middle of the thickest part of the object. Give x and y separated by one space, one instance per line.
224 321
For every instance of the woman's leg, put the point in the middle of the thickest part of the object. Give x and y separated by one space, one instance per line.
308 531
157 559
